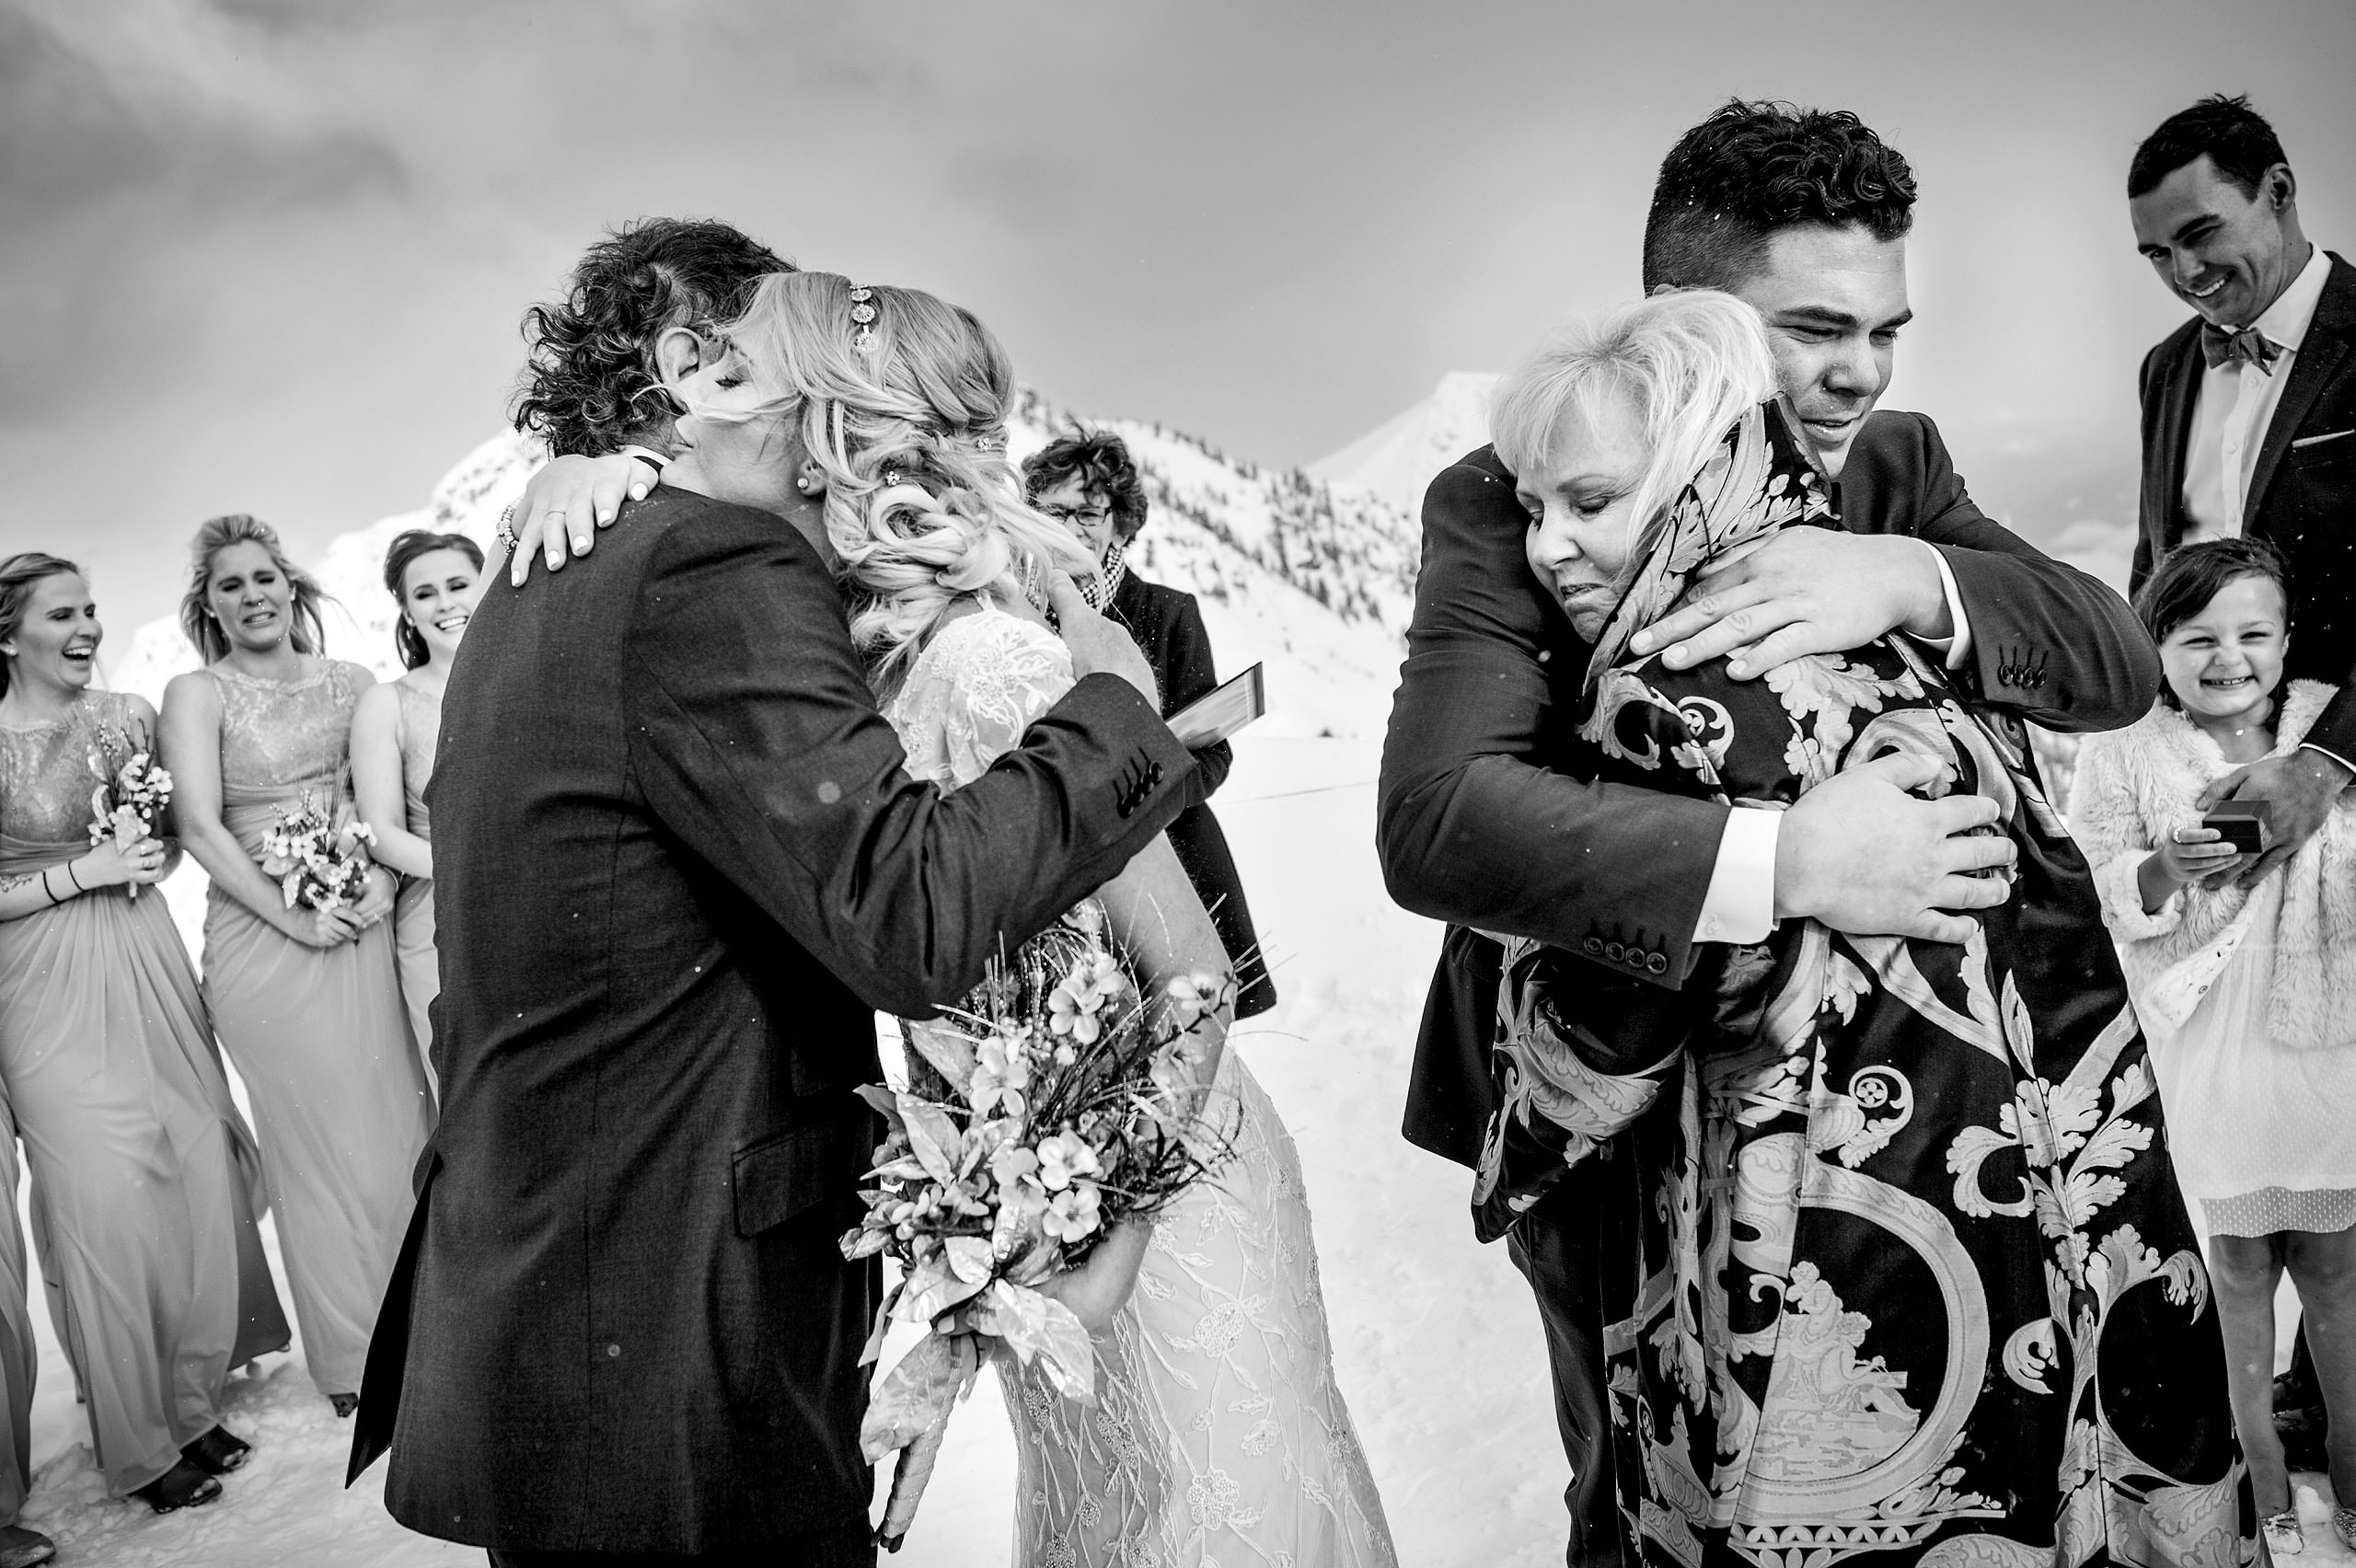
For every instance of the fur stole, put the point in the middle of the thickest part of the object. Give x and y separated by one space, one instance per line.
2135 786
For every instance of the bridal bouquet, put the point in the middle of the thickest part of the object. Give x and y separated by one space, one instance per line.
130 799
320 862
1056 1104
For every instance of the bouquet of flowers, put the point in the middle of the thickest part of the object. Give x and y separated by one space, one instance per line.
130 799
1057 1103
320 860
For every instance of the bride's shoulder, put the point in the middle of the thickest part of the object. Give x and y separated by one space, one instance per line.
979 632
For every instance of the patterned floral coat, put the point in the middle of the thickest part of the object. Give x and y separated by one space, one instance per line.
1911 1279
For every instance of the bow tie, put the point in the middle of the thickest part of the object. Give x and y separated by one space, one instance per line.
2217 346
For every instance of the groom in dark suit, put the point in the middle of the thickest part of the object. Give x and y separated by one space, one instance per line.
680 868
1485 820
2249 428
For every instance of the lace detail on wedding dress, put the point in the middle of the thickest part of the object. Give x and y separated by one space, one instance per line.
972 691
1219 1438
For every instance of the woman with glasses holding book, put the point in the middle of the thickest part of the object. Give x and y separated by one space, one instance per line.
1089 481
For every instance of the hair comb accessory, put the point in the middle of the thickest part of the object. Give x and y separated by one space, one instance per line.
863 318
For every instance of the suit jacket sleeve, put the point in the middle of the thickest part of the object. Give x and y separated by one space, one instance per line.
2049 641
756 741
1471 830
2149 528
1188 672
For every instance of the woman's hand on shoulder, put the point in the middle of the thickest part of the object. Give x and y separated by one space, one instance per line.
561 502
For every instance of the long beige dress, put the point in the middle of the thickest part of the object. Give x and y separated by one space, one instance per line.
146 1181
320 1035
413 914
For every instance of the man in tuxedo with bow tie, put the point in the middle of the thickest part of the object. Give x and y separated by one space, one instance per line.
2249 428
2249 413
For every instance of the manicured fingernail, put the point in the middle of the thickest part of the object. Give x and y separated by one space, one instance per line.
580 544
637 492
1737 668
605 515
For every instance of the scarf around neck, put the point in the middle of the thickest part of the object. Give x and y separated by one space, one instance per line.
1760 478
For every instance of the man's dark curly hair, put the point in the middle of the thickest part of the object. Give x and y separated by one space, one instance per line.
1753 169
2236 136
1101 462
590 384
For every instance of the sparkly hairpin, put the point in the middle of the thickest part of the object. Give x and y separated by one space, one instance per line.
993 442
862 316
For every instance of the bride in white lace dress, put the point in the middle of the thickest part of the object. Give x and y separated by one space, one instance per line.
1218 1437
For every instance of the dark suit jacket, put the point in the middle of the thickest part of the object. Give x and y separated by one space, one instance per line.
2301 493
1169 626
1474 828
678 866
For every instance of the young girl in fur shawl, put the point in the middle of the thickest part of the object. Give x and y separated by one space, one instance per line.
2247 994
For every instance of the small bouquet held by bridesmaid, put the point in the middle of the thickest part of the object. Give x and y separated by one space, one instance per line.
1056 1104
319 860
131 798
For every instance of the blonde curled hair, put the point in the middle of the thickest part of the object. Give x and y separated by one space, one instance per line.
923 506
217 533
1687 364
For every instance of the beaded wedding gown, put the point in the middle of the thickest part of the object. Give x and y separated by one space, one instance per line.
1218 1437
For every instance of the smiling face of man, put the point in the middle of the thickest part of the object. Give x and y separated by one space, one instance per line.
1834 298
2225 252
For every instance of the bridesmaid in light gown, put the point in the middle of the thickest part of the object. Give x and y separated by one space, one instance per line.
433 579
306 1002
145 1177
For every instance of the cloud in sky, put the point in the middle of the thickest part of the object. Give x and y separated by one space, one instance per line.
269 255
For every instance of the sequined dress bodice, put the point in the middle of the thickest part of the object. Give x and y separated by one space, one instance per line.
280 739
46 775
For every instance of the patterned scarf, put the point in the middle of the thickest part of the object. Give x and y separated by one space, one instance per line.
1761 477
1111 567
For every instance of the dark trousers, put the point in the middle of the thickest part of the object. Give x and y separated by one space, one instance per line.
1561 1247
851 1548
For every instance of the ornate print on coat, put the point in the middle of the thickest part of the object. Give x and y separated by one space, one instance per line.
1912 1280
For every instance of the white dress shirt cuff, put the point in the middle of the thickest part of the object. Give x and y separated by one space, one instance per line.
1740 903
1953 650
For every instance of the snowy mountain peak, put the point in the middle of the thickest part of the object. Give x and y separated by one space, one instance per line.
1397 460
1315 580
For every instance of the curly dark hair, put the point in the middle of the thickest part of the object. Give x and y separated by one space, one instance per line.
2236 136
590 384
407 546
1754 167
1101 462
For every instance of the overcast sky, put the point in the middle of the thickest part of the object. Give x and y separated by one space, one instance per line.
268 255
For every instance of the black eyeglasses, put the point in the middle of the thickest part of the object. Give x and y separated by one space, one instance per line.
1086 516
